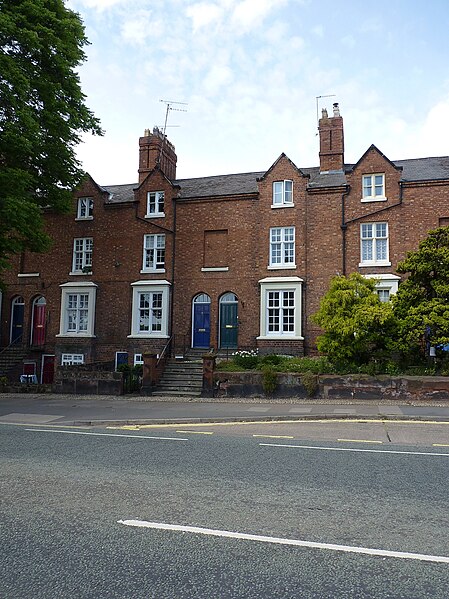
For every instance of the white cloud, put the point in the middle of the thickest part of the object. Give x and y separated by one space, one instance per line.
216 78
204 14
140 28
249 14
431 135
99 5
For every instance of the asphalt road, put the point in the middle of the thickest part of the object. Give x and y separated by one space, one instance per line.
68 502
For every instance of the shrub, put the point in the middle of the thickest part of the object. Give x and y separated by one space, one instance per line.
273 359
309 382
248 360
269 379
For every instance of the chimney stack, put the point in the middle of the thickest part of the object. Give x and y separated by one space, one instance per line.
155 151
331 141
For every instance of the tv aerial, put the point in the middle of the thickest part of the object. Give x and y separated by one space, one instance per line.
170 107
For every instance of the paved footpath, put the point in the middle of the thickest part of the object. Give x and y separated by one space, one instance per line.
79 410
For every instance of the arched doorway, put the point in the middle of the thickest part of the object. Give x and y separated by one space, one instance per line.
201 321
17 314
228 320
38 322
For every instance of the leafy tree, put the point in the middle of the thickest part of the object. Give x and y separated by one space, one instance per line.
421 305
42 115
356 324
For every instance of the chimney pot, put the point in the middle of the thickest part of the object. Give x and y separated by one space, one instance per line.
336 109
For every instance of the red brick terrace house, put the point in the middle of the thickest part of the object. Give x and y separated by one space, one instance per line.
228 261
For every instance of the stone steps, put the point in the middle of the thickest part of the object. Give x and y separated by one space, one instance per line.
11 357
181 378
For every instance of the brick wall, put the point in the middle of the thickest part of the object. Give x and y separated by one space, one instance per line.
221 244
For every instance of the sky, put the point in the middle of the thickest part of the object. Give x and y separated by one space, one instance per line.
248 73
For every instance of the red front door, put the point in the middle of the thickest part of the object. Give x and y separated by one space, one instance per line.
38 337
48 369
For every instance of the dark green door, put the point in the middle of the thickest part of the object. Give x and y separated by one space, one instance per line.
228 321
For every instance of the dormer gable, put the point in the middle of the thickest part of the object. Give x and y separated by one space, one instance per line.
283 158
374 177
281 183
372 149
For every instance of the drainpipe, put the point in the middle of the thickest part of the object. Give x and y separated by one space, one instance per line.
172 305
344 227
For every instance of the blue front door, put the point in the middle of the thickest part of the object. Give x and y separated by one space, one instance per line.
18 310
201 324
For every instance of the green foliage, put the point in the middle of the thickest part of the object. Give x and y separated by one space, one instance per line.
269 379
421 305
357 326
42 115
246 360
309 382
273 359
320 365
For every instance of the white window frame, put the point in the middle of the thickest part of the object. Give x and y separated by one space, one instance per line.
373 197
283 242
83 248
72 359
155 245
283 285
149 287
138 360
158 199
385 282
85 208
374 238
282 194
88 290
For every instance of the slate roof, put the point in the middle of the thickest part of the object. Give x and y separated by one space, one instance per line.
220 185
424 169
120 193
415 169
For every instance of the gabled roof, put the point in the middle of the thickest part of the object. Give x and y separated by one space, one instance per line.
415 169
283 155
376 149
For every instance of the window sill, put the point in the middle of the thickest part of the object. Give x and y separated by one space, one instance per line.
282 267
28 274
78 273
282 205
81 218
215 269
373 199
151 272
148 336
77 335
367 264
280 337
155 215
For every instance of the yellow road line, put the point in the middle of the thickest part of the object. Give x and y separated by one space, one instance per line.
196 432
440 445
274 436
296 421
360 441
